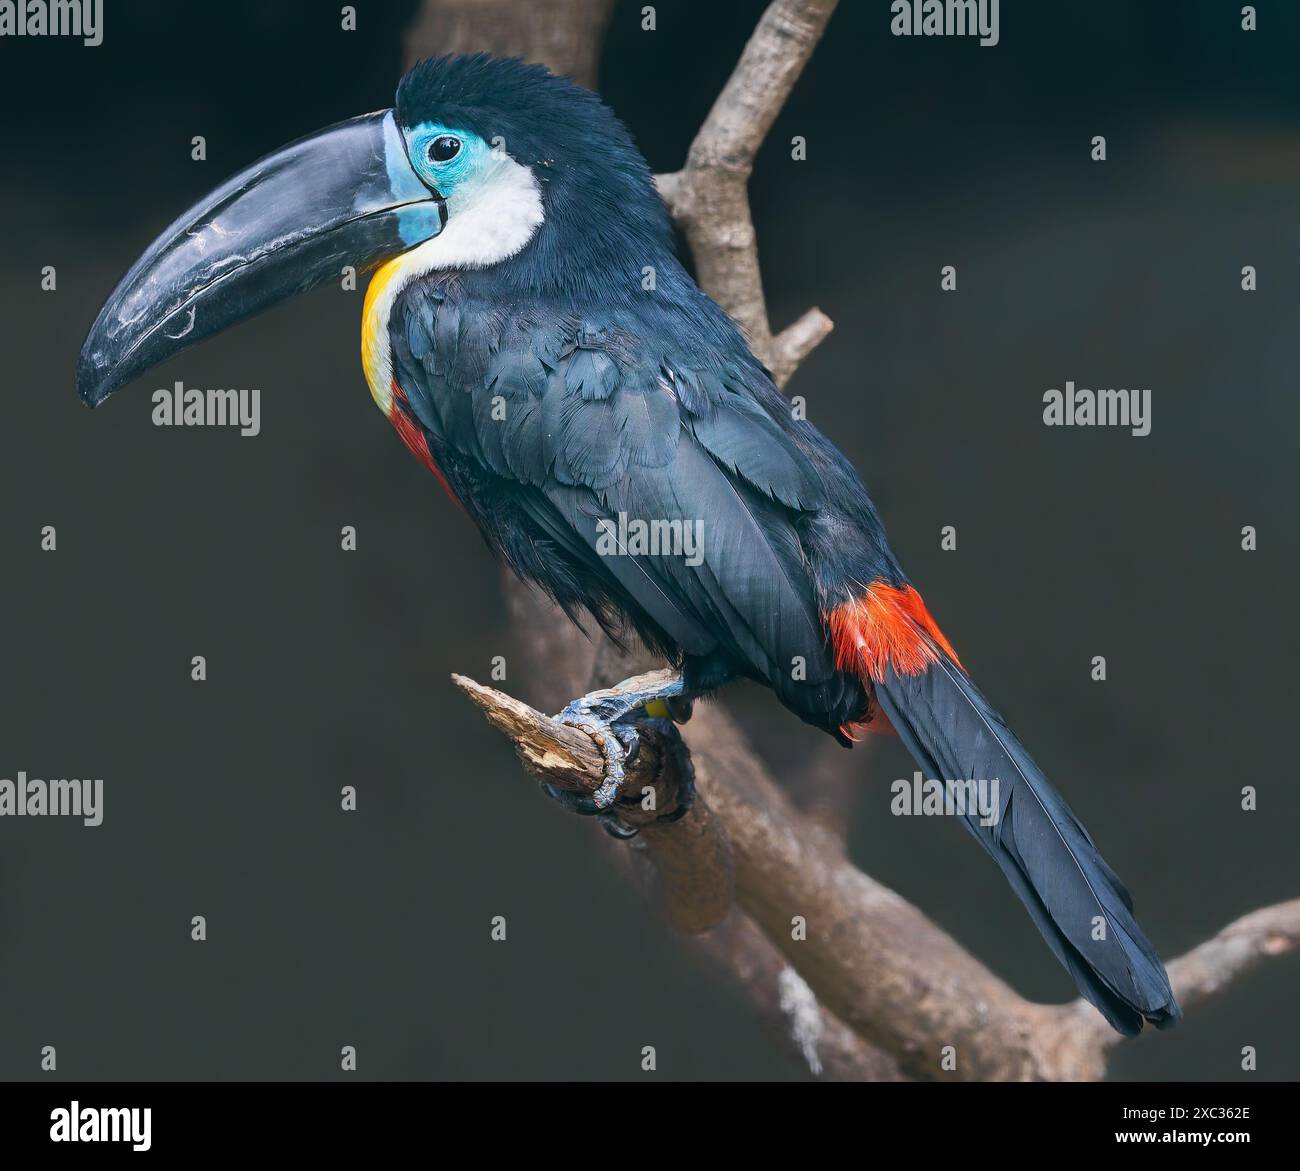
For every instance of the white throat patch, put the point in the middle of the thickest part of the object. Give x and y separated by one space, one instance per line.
486 224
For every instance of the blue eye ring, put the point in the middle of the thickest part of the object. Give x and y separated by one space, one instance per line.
444 148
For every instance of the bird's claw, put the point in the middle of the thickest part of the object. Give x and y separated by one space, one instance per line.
618 743
606 716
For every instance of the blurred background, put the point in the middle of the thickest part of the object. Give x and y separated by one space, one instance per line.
326 669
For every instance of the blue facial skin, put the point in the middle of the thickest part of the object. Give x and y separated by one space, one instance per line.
455 173
418 221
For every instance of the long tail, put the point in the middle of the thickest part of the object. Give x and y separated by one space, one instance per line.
1080 906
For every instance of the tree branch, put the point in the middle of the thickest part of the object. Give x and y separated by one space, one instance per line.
692 854
875 961
827 1047
1206 970
708 197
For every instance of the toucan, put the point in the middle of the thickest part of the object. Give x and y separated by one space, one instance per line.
531 335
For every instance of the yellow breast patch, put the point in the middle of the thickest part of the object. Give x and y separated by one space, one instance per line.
376 355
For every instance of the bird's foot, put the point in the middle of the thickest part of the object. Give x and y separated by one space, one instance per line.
606 716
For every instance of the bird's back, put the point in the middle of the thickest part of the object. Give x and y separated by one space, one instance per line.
639 462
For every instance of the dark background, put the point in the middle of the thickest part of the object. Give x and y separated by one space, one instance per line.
328 669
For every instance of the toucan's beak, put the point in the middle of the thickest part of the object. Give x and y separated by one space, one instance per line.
345 196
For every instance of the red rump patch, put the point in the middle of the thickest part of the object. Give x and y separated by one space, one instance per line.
887 626
412 434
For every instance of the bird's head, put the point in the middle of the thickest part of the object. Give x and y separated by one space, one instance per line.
484 163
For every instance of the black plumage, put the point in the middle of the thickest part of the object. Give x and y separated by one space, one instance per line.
580 376
1082 909
647 402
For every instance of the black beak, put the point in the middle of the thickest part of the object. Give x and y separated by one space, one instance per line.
344 196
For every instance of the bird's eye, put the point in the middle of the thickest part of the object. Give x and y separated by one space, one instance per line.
444 148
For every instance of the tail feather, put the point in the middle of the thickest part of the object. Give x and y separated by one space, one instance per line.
1080 906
